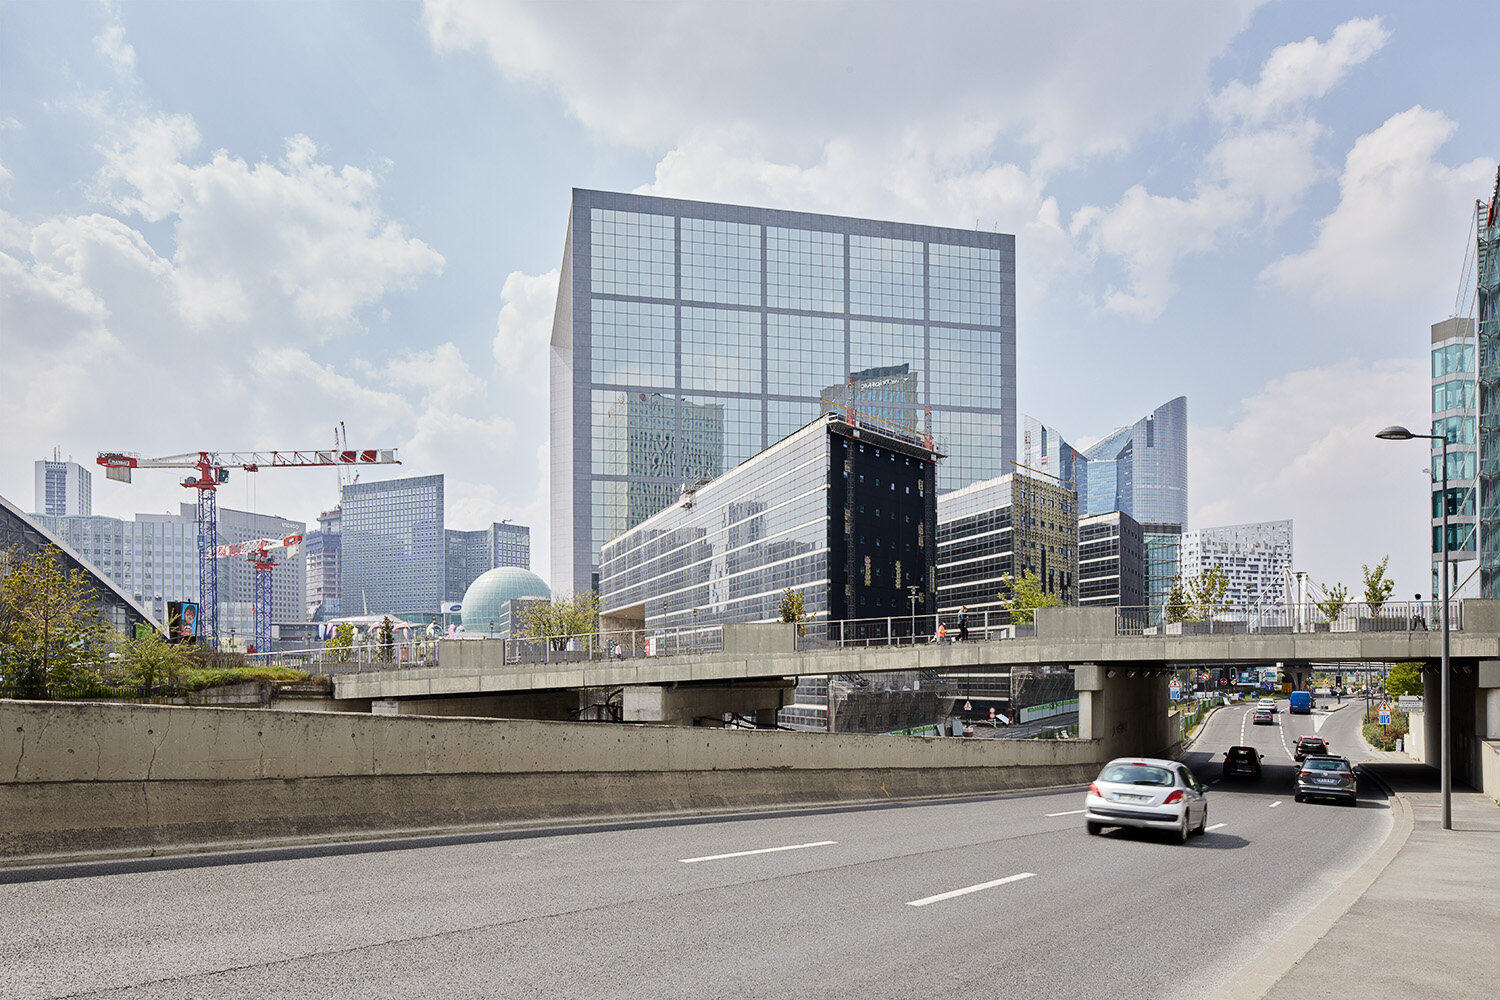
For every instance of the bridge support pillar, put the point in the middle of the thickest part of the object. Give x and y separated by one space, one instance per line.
1125 708
687 705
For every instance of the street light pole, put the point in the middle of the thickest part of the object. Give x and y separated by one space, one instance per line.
1445 755
913 588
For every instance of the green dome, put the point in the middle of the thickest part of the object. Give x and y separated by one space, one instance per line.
487 598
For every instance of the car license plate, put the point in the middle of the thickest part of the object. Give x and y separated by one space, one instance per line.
1328 781
1128 797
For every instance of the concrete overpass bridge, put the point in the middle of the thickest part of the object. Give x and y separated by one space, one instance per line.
1120 670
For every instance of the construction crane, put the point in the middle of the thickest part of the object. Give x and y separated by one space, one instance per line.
258 554
213 470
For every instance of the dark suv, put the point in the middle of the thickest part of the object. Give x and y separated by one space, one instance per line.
1242 760
1327 777
1310 746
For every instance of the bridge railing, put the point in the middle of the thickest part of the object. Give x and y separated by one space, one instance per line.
1388 616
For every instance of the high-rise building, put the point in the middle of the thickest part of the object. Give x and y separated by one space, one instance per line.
1487 294
1455 416
1256 560
393 548
1044 450
691 336
471 554
1111 561
321 550
63 489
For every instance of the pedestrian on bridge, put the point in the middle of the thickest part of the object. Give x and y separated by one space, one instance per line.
1418 615
963 622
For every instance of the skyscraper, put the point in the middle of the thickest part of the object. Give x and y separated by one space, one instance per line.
1487 291
393 547
1454 409
1256 560
63 489
689 336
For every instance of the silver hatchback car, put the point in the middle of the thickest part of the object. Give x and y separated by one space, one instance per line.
1149 794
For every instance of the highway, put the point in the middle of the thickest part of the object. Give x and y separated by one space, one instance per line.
997 897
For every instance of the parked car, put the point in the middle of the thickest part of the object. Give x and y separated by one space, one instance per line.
1242 760
1327 777
1299 703
1310 746
1148 794
1262 717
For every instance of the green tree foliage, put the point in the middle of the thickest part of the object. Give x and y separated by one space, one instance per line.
792 609
386 639
150 661
1403 678
557 621
52 636
1022 597
1378 586
340 645
1333 602
1201 598
1177 602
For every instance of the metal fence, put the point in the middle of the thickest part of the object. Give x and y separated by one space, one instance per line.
1388 616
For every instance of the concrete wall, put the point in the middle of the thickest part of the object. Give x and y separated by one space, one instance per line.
92 780
1490 769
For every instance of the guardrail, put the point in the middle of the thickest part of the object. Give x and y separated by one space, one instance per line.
1388 616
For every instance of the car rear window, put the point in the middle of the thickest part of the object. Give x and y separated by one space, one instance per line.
1324 765
1136 774
1242 754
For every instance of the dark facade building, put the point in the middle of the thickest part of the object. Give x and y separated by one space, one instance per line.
1111 561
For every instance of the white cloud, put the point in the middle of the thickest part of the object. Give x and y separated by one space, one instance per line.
442 375
1305 448
1301 71
1401 217
524 330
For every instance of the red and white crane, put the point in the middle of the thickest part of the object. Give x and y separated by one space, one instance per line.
212 469
258 553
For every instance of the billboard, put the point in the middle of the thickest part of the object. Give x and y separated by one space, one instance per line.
183 621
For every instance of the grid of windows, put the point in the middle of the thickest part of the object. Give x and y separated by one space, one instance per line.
878 345
804 270
885 277
968 285
803 355
966 367
721 350
635 342
633 254
720 262
393 546
980 437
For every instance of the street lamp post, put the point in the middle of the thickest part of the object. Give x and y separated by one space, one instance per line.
913 588
1445 755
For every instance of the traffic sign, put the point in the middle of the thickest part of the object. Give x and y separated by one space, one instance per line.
1409 702
1385 716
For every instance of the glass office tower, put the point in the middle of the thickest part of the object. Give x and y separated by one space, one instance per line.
393 548
1487 293
690 336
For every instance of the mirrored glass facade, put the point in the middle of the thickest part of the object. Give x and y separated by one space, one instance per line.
690 336
1487 336
1455 418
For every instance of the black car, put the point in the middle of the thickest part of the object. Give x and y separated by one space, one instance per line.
1262 717
1327 777
1242 760
1310 746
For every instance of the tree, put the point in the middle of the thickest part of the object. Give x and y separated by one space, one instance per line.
1334 599
1026 595
792 609
1201 598
1404 678
51 631
1378 586
558 621
1177 602
151 660
386 639
341 643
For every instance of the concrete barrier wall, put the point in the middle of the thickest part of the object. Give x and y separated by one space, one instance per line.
90 780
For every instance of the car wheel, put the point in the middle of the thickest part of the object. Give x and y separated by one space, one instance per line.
1093 828
1297 797
1182 831
1202 823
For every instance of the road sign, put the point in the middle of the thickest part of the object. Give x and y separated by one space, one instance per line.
1385 716
1409 702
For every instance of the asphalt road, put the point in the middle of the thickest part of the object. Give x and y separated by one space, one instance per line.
850 902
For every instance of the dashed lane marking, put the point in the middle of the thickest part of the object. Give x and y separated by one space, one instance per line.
1275 804
763 850
1218 825
972 888
1070 812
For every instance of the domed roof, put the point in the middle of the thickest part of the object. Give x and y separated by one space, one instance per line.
487 596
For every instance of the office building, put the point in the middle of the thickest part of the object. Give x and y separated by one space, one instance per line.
471 554
689 337
1111 561
63 489
1256 559
25 536
1487 295
1455 412
154 559
393 548
321 551
1005 528
1044 451
494 602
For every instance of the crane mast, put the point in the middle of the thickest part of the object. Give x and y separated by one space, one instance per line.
212 470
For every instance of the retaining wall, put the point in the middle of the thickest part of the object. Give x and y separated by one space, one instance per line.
82 780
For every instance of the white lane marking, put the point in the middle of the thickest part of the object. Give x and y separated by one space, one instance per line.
1275 804
1070 812
973 888
1217 825
763 850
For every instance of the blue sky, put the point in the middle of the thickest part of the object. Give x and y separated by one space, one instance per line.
233 225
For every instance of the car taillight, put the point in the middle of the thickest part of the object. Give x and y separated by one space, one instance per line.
1094 789
1176 796
1304 774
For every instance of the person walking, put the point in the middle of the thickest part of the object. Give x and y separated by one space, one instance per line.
963 622
1418 615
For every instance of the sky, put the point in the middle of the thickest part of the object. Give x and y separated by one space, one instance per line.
233 226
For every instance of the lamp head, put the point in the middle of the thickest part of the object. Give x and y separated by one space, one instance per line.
1395 432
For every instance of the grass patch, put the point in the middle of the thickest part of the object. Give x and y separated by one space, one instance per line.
198 678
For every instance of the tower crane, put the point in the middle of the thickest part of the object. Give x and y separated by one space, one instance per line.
213 470
258 554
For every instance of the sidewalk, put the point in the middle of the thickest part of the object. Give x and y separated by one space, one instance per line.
1428 925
